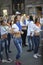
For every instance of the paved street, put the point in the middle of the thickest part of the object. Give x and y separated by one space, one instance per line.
26 58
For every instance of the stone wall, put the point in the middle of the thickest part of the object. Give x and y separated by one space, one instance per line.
30 6
5 4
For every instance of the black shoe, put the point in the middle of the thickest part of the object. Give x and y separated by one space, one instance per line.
32 49
25 45
9 51
29 50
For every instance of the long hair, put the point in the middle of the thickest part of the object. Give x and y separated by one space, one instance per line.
1 22
15 19
36 20
31 18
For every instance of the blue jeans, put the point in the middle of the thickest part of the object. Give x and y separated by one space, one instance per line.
0 48
6 48
31 42
36 42
18 44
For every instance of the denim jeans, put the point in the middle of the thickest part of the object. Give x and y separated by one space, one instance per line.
31 42
36 42
18 44
0 48
6 48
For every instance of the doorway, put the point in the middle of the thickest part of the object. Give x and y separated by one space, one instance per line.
39 11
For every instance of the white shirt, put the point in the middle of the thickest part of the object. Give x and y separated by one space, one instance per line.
30 28
4 30
37 29
15 27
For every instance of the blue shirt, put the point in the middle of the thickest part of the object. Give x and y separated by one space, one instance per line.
42 27
20 27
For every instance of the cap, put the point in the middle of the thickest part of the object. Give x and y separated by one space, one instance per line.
17 13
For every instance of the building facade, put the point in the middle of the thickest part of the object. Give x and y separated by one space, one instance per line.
5 5
11 6
34 7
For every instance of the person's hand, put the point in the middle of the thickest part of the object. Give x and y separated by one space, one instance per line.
22 32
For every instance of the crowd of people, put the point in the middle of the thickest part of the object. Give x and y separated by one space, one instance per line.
18 27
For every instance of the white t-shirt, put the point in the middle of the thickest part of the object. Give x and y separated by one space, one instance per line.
15 27
32 28
4 30
37 29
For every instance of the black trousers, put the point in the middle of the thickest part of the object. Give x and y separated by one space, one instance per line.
24 37
9 39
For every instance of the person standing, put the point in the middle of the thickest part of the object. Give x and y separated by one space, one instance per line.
30 34
4 33
24 23
37 30
17 39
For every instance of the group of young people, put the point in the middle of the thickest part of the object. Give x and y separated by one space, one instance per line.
23 26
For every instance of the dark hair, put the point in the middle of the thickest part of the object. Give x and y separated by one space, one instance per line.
1 22
31 18
36 20
15 19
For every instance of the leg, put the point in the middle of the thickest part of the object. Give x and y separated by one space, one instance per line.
24 37
32 40
29 42
1 50
6 49
18 46
9 39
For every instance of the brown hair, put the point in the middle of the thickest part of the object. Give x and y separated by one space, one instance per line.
15 19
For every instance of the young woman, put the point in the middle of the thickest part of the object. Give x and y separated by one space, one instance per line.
4 33
37 30
24 23
30 34
17 38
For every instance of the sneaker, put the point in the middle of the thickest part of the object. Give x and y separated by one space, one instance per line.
9 60
35 56
29 50
38 55
9 51
6 61
17 63
3 61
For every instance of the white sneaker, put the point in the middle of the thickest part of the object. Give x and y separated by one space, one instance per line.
7 61
35 56
38 55
3 61
10 59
